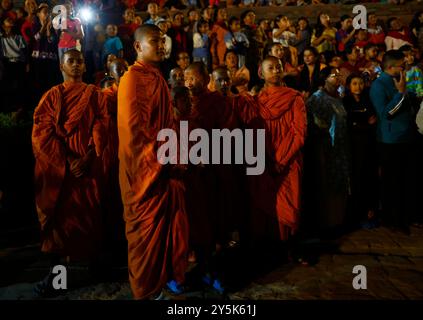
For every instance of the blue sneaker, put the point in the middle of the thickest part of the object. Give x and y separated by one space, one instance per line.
217 285
175 287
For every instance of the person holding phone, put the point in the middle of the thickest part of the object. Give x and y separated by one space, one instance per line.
396 136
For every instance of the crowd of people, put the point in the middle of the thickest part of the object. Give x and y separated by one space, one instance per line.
340 108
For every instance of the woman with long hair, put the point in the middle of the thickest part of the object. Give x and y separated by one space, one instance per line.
361 119
323 38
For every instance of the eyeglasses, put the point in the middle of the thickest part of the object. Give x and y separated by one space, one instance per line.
334 75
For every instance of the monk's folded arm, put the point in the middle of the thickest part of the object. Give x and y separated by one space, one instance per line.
294 140
47 145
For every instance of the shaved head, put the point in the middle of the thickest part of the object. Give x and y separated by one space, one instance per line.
117 68
73 53
199 68
222 80
142 32
269 59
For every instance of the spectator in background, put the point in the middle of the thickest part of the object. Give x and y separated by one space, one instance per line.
416 27
201 39
351 64
361 119
26 28
413 74
284 32
323 38
183 60
361 40
126 34
345 35
262 36
369 64
303 35
398 35
178 35
327 152
166 64
310 72
237 40
248 25
153 11
240 77
396 137
220 28
20 18
45 63
14 61
375 30
290 72
70 37
112 45
7 10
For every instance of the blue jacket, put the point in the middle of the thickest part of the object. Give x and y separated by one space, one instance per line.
395 116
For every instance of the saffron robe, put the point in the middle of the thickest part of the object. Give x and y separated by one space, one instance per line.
69 118
153 198
276 193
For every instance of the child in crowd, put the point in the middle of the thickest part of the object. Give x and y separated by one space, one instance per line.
236 40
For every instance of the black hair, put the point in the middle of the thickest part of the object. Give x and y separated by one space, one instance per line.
390 57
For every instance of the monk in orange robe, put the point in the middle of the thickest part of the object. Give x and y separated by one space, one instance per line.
205 197
152 193
276 193
67 141
112 201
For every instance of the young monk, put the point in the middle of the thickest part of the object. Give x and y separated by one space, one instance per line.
207 234
112 200
276 193
176 78
152 193
67 140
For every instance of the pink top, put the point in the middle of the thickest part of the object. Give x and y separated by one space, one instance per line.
66 40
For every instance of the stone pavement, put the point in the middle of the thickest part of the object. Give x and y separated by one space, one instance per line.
394 265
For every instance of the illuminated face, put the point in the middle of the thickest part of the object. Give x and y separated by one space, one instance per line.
324 19
409 57
118 69
284 23
193 16
362 35
30 6
356 86
178 20
272 72
138 20
302 24
334 78
231 60
111 30
309 57
129 15
353 56
372 19
235 26
73 65
177 77
222 81
222 15
152 47
277 51
250 18
183 60
195 82
43 14
153 9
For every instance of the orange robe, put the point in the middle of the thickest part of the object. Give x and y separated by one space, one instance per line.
112 197
205 199
153 198
68 119
219 45
276 193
